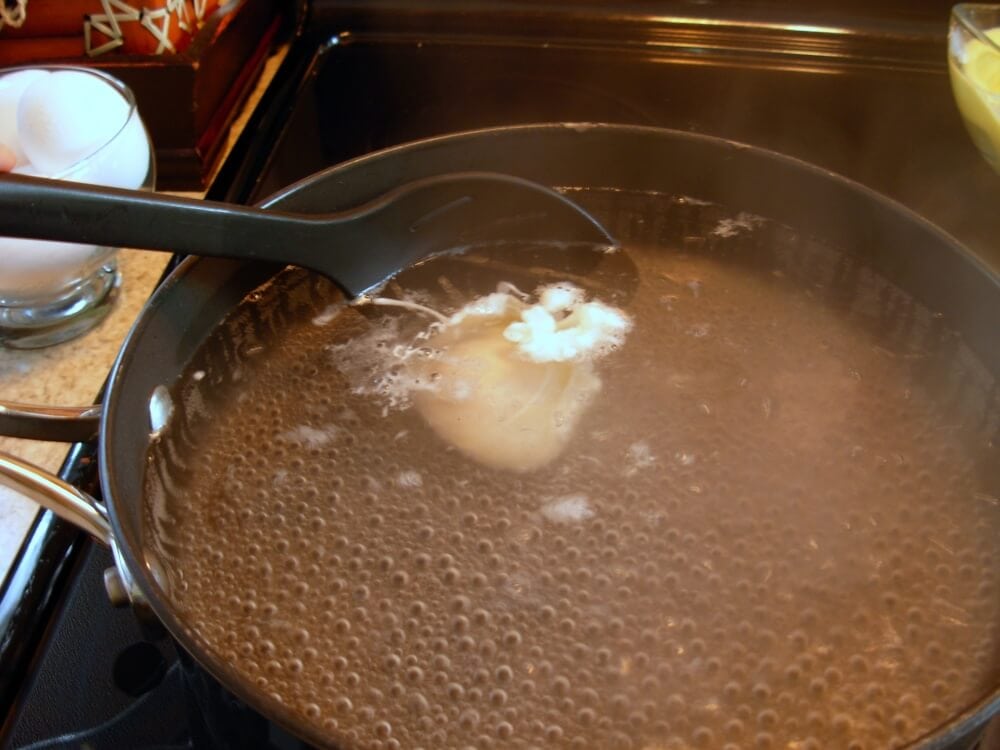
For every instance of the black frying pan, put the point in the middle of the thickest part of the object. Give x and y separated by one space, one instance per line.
200 293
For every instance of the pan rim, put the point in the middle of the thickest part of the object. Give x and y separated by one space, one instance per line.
959 725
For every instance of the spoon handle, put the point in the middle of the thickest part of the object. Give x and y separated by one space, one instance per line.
45 209
358 247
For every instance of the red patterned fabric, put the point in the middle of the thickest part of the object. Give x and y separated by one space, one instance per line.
139 27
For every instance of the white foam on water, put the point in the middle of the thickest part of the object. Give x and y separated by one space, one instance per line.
410 478
638 457
569 509
742 222
311 437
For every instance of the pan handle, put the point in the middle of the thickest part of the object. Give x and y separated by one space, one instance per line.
63 499
61 424
87 514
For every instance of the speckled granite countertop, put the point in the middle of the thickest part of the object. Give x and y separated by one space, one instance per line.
69 374
72 374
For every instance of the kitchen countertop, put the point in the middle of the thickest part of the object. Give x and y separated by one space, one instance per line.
72 373
68 374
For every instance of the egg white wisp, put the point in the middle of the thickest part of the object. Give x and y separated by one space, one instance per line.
505 380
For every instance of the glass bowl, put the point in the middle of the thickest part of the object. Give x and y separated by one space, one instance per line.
974 65
54 291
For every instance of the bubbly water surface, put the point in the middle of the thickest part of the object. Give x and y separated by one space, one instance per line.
771 530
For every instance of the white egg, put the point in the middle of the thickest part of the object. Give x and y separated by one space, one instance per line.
27 169
33 270
12 85
66 116
128 162
123 163
37 269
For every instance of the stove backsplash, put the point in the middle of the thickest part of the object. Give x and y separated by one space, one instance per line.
859 88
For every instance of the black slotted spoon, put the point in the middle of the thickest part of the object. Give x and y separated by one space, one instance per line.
358 248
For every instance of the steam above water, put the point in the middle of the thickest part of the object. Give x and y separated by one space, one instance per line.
770 528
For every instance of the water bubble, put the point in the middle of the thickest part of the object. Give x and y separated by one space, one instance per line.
702 601
414 675
512 639
418 704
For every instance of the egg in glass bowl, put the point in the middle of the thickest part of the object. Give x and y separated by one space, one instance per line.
79 125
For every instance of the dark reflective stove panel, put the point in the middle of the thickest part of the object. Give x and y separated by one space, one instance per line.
888 123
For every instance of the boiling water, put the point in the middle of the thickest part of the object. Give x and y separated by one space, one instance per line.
771 530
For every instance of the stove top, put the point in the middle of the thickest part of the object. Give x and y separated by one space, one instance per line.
858 88
864 94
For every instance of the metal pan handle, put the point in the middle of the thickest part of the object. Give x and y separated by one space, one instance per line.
84 512
62 424
63 499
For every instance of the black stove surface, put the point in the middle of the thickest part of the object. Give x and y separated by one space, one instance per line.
105 681
865 95
866 98
99 664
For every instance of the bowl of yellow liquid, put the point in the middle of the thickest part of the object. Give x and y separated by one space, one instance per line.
974 64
